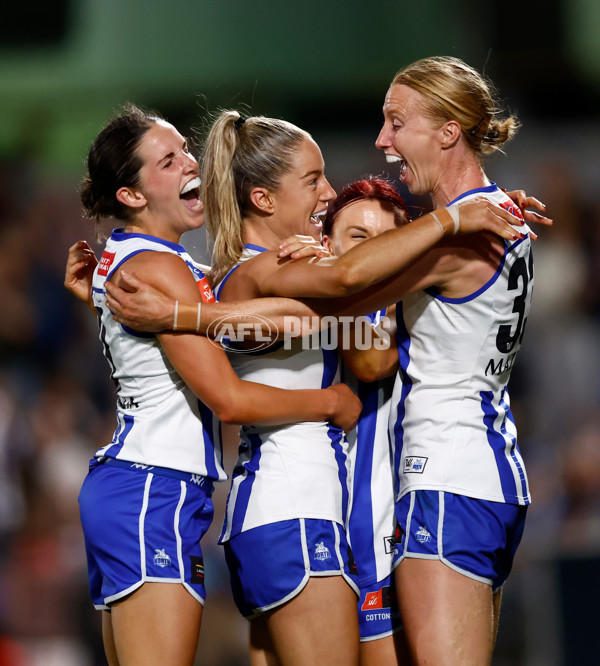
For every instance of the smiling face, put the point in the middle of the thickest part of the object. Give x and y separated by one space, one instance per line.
167 197
357 222
411 139
302 194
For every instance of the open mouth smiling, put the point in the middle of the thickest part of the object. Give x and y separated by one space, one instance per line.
190 194
317 218
393 159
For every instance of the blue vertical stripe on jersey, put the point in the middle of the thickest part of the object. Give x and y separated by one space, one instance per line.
125 426
361 518
403 341
503 447
207 418
330 366
336 436
120 426
514 451
245 487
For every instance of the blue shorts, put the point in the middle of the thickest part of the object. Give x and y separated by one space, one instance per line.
141 526
475 537
378 614
270 564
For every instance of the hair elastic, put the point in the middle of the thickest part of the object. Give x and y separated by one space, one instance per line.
198 317
437 219
175 317
455 214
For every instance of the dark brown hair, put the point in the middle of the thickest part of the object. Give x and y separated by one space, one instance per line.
113 162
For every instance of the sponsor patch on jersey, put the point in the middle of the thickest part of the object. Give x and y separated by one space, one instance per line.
378 600
512 208
413 465
127 402
197 564
105 262
389 543
206 293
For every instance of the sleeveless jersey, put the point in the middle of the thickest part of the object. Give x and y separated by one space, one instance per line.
293 471
160 420
451 421
371 522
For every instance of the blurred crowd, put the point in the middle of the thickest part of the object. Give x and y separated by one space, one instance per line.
56 408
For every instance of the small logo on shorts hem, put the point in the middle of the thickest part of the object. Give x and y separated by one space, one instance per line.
161 559
378 600
413 465
322 552
423 535
197 569
352 570
398 539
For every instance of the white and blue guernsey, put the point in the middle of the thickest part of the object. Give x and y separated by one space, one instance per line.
291 471
371 522
451 421
160 420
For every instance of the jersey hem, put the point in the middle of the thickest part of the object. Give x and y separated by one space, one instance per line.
524 501
252 526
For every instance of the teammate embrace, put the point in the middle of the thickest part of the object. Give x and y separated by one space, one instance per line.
455 286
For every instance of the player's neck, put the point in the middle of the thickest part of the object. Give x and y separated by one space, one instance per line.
462 177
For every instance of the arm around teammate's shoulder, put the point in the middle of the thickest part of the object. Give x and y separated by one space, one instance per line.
388 254
204 367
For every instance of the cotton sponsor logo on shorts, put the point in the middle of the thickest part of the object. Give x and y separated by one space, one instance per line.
378 600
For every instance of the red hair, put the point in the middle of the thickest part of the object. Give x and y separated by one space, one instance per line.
378 189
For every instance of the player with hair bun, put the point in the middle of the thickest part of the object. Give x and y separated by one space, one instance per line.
462 487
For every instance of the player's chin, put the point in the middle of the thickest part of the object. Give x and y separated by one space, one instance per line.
196 219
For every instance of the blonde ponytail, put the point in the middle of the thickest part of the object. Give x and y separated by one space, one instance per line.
222 210
239 155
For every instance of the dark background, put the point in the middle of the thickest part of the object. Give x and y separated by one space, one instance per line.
325 66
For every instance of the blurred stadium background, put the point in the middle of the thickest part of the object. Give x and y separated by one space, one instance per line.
324 65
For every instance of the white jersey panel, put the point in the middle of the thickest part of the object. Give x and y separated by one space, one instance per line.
160 420
451 421
294 471
371 522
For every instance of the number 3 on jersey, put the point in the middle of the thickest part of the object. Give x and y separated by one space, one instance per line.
520 278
